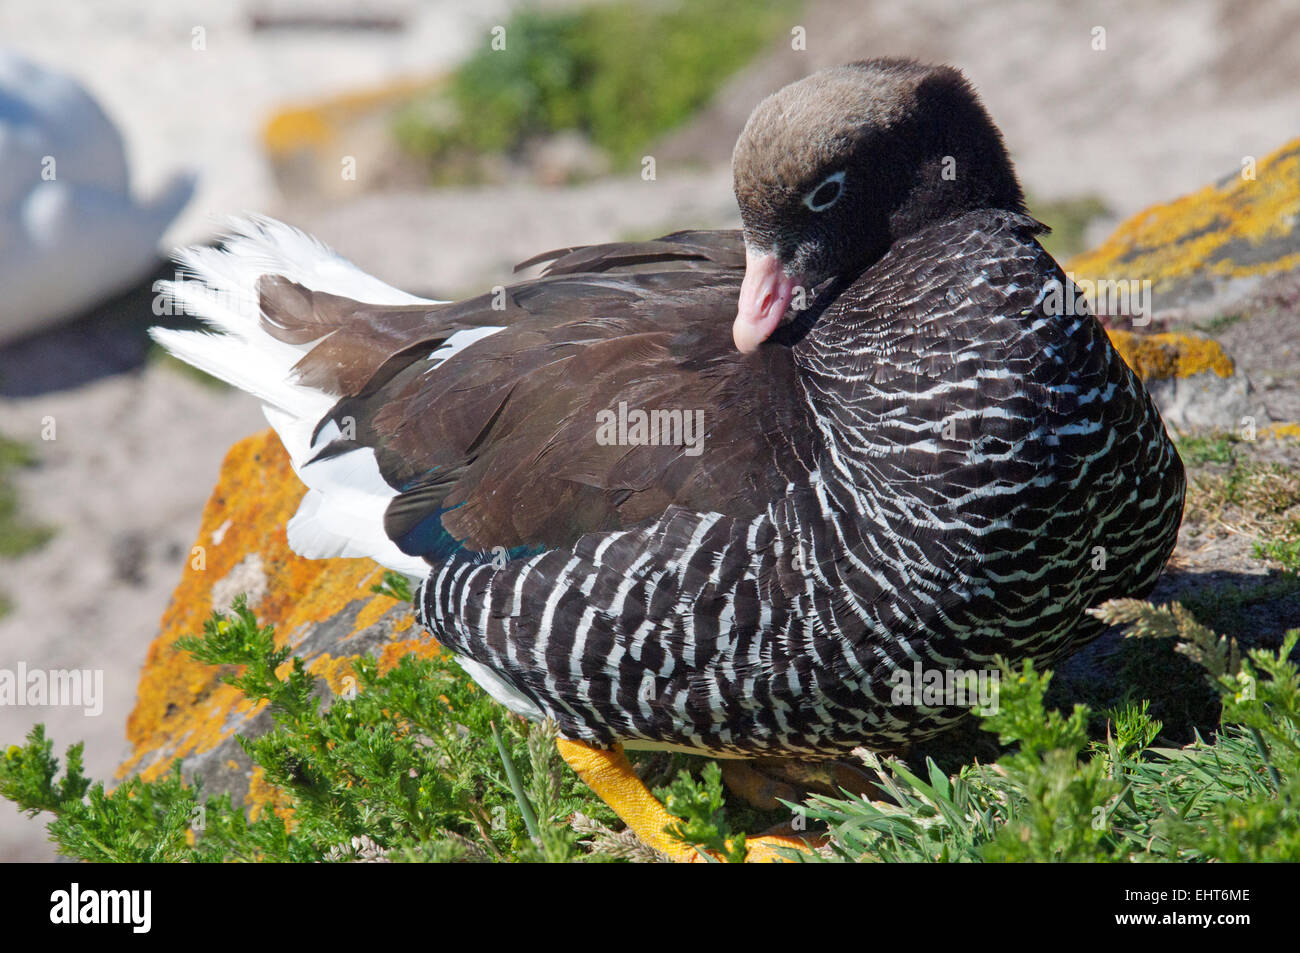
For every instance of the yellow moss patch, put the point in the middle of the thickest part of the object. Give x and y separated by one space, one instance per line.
182 707
1207 230
1155 357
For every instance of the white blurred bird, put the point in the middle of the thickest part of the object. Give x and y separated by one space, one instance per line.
71 232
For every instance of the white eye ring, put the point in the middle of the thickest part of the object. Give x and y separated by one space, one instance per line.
836 178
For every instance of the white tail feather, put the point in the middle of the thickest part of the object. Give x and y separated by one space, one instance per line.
342 514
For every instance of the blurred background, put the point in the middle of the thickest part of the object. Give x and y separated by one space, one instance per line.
436 144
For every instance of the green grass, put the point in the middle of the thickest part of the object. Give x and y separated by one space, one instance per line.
1284 548
17 534
1220 323
1069 220
1237 492
620 73
1199 449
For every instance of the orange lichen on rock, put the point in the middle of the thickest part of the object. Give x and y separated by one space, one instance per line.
315 125
376 609
1222 230
1155 357
1282 431
182 707
337 672
394 652
262 794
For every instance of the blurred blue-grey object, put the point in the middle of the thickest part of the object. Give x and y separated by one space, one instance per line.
71 232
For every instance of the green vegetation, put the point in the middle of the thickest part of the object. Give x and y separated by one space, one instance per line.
1239 493
1261 500
1220 323
395 586
620 73
421 765
1284 548
17 535
1059 795
702 807
408 770
1198 449
1069 220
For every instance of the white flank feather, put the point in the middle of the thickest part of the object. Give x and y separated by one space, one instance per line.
500 689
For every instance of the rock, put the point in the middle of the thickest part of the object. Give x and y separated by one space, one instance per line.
340 146
323 608
565 158
1210 251
1192 380
127 554
1207 256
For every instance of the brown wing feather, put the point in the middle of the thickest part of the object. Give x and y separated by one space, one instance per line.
502 437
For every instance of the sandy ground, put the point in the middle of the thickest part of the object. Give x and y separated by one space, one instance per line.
1182 92
203 109
138 446
125 511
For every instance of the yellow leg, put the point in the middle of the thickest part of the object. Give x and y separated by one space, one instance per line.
607 772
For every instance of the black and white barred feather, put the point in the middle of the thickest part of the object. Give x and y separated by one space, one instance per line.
985 469
933 465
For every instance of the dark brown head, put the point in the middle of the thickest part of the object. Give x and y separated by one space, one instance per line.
832 170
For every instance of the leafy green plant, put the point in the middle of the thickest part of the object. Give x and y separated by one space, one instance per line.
395 586
420 765
620 73
1058 795
701 807
408 769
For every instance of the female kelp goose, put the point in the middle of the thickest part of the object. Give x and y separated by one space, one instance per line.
927 464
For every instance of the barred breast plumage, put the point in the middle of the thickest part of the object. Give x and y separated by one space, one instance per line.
971 457
909 452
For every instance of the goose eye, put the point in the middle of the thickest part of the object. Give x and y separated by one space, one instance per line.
826 194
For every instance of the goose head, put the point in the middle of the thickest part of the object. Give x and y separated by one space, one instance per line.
830 171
